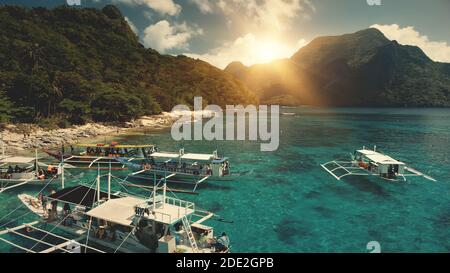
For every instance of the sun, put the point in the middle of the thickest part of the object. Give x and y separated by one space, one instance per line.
268 51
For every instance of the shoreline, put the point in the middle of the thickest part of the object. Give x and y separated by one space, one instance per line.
20 138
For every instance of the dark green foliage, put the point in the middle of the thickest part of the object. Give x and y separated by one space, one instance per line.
5 107
75 65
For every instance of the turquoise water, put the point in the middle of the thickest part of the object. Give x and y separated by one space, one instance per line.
283 201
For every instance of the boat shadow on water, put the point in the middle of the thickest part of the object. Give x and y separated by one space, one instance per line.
365 184
289 231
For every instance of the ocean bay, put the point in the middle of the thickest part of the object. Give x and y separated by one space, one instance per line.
283 201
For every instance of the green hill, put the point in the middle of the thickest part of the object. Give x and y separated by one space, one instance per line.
359 69
74 65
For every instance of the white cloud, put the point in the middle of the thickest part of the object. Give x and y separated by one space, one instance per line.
271 14
163 7
163 36
132 26
262 28
205 6
249 50
438 51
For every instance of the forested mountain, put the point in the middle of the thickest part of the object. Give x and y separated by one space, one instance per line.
359 69
72 65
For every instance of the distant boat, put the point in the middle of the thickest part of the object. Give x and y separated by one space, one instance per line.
92 155
288 114
187 168
370 162
16 171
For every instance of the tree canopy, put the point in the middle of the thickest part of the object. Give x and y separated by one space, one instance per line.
79 65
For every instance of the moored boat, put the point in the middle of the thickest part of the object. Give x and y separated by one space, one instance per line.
16 171
128 223
365 162
91 156
180 167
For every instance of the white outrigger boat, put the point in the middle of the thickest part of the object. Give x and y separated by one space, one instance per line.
367 162
181 167
16 171
126 223
90 156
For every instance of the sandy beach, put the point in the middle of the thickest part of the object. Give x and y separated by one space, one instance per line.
22 137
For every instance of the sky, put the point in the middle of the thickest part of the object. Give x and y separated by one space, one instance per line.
259 31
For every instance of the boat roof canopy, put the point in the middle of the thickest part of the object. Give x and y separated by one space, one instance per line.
120 211
115 146
79 195
379 158
203 157
220 160
165 155
17 159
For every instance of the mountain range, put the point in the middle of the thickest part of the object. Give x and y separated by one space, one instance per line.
359 69
72 65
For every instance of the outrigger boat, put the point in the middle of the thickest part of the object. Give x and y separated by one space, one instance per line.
89 156
181 167
16 171
127 223
370 162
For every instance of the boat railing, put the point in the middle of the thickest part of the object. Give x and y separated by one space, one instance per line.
179 203
182 205
162 217
179 169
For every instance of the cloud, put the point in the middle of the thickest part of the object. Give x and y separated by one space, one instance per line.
249 50
205 6
437 51
272 14
163 7
163 36
132 26
261 28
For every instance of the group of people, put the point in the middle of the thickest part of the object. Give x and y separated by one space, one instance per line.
111 152
10 171
220 244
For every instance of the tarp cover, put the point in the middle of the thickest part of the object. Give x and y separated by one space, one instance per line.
203 157
79 195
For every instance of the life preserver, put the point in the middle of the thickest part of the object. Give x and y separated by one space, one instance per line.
363 165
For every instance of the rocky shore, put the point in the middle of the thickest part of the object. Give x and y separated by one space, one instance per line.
20 137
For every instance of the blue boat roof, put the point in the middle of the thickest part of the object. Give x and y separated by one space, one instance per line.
220 160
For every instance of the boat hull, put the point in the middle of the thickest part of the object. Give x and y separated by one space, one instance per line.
36 182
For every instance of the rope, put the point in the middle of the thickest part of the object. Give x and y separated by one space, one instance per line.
87 236
90 224
59 223
22 204
126 237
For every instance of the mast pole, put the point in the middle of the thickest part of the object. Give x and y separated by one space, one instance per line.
62 170
109 181
3 147
164 192
98 182
154 190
